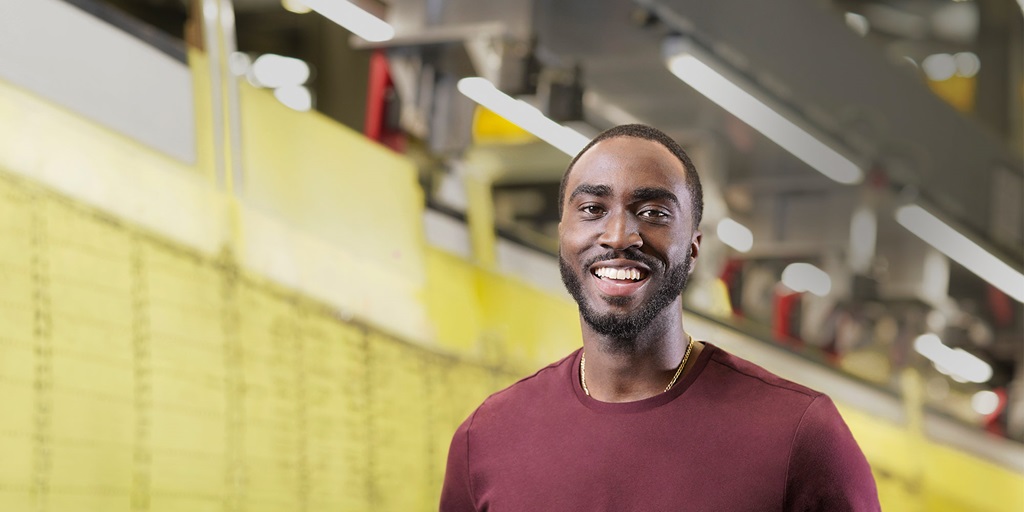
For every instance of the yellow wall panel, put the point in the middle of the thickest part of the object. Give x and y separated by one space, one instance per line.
88 268
169 353
15 254
16 447
17 362
880 440
17 321
303 167
984 487
95 337
179 428
87 468
90 302
337 437
112 501
177 502
453 302
552 332
399 428
192 391
88 418
187 472
78 375
166 286
195 323
14 498
15 208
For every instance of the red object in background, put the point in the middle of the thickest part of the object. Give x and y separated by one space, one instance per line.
991 421
379 92
999 305
732 276
786 316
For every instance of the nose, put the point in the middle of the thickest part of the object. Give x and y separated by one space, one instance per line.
621 232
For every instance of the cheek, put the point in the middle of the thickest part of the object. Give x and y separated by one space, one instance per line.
572 237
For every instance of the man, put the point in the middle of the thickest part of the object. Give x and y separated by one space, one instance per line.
643 417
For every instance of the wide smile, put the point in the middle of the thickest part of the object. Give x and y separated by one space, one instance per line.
619 278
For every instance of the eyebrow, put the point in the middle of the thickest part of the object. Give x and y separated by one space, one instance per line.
653 194
593 190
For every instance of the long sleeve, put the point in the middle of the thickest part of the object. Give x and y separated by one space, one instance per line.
457 493
827 470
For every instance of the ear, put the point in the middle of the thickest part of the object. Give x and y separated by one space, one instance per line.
695 246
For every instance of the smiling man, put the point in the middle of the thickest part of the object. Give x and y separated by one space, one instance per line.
643 417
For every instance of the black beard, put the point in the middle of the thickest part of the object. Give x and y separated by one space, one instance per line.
624 330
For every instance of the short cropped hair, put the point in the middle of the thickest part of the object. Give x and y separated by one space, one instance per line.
642 131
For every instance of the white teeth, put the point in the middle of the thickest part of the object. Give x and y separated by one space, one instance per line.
631 274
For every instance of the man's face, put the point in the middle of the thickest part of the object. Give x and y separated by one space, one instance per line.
626 238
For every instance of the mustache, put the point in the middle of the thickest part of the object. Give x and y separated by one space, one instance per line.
627 254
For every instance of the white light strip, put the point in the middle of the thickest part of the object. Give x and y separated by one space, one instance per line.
523 115
762 118
804 277
957 363
735 235
962 250
353 18
273 71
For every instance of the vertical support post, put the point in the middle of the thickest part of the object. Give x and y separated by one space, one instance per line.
480 217
217 18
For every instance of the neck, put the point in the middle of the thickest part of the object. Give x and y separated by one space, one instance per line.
628 370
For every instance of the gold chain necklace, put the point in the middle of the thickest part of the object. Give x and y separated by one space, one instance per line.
679 371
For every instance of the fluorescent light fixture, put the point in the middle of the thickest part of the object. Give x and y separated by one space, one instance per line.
735 235
295 97
962 250
523 115
738 102
804 277
353 18
857 23
985 402
939 66
957 363
967 64
273 71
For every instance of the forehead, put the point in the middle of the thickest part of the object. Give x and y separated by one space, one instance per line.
628 163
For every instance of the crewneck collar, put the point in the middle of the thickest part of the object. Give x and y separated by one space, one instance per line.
640 405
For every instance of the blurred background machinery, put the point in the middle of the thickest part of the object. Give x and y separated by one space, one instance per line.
266 254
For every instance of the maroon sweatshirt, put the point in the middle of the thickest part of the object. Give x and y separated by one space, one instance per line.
730 436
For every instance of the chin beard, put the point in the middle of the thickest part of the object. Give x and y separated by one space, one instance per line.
624 329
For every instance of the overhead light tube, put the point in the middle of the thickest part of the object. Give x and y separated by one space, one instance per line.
957 363
689 65
735 235
804 277
523 115
962 250
353 18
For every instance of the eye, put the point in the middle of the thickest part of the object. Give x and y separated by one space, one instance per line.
592 210
653 213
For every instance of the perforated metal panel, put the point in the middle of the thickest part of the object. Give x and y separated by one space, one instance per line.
137 375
